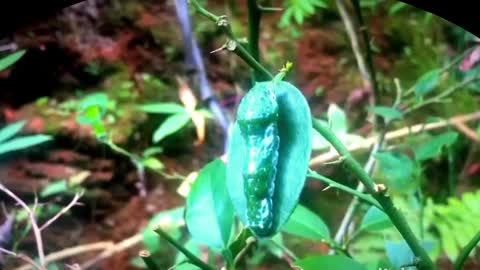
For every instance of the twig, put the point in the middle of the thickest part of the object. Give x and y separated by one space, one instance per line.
331 183
72 251
440 97
63 211
36 231
352 207
380 194
233 44
117 247
352 35
22 257
190 256
467 131
396 134
147 259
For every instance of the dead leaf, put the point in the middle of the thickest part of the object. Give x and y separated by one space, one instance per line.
190 103
186 95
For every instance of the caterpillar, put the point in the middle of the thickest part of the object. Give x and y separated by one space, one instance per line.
257 118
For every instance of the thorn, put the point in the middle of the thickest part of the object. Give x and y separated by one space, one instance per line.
339 160
224 46
327 188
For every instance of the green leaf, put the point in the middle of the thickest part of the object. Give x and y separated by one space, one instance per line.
295 132
54 188
152 151
400 253
306 223
170 220
375 220
337 120
153 163
237 245
396 8
10 130
10 59
171 125
209 213
397 170
166 107
329 262
433 147
388 113
23 142
427 82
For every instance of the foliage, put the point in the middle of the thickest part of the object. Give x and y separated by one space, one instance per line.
9 144
459 215
7 61
299 10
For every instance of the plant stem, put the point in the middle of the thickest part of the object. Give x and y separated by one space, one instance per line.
368 49
462 257
233 44
190 256
379 194
439 98
254 18
332 183
254 64
147 259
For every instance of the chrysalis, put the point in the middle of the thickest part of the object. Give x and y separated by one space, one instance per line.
257 118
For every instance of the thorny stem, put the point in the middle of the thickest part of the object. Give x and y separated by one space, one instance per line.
233 44
352 207
190 256
332 183
147 259
378 193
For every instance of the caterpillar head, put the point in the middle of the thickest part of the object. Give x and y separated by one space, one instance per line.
257 109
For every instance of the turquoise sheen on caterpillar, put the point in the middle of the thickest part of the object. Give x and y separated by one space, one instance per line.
257 118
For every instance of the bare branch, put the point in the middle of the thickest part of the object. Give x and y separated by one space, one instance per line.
33 221
63 211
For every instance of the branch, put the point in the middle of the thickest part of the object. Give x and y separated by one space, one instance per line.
233 44
332 183
352 207
190 256
397 134
36 231
63 211
147 259
466 251
439 98
22 257
378 193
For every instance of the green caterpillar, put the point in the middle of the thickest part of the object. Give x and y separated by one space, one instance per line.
257 118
